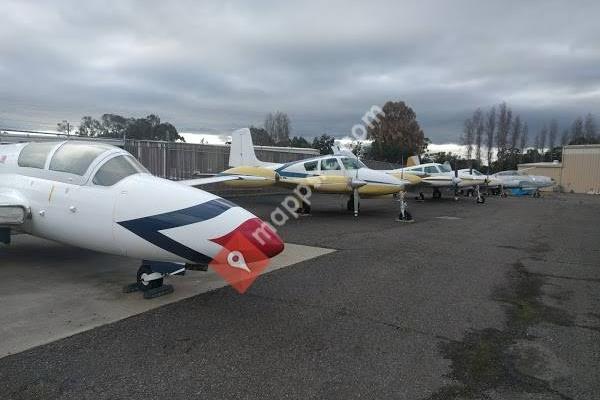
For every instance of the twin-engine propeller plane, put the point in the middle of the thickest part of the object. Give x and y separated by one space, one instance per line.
333 174
435 176
98 197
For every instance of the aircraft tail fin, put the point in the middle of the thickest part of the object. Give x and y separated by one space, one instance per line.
241 152
412 161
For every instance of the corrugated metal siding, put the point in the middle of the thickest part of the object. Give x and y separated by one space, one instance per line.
182 160
581 168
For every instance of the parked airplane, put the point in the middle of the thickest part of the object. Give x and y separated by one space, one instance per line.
98 197
437 176
335 174
519 180
490 183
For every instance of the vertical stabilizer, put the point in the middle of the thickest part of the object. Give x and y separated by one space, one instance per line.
242 150
412 160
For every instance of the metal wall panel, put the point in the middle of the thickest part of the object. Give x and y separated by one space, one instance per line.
581 169
183 160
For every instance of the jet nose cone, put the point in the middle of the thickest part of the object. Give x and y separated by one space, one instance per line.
260 234
259 240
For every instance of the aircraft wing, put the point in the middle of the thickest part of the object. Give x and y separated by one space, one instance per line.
14 208
220 178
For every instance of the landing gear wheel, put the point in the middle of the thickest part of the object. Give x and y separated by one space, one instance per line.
304 209
480 200
437 194
407 217
147 285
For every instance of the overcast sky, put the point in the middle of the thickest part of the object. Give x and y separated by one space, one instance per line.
223 65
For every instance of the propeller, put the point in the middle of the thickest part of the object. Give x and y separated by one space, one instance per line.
456 179
355 184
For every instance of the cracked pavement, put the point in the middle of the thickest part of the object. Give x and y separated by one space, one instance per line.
501 303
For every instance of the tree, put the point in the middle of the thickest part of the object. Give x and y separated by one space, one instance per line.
478 121
299 141
261 137
396 134
504 122
490 128
114 125
577 131
589 129
515 132
278 127
89 127
524 137
552 134
150 128
564 137
64 126
542 139
323 144
468 136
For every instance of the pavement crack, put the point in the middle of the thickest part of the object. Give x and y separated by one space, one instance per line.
344 312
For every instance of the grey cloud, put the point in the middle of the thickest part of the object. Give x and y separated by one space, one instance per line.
223 65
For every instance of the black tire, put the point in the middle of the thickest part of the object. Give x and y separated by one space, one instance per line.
145 269
480 200
306 208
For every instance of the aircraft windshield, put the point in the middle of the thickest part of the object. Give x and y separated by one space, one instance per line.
76 158
116 169
445 168
352 163
34 154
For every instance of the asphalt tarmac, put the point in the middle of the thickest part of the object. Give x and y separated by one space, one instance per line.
497 301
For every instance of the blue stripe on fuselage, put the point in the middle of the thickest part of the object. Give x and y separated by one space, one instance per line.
148 227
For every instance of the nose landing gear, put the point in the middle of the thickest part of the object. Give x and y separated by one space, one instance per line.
404 215
150 278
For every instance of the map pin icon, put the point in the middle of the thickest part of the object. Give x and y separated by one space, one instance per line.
236 260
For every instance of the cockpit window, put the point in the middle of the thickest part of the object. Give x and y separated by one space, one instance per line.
311 165
34 155
117 169
432 169
475 172
75 158
352 163
330 164
445 168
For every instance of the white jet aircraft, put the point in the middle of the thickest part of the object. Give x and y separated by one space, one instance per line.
99 197
519 180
